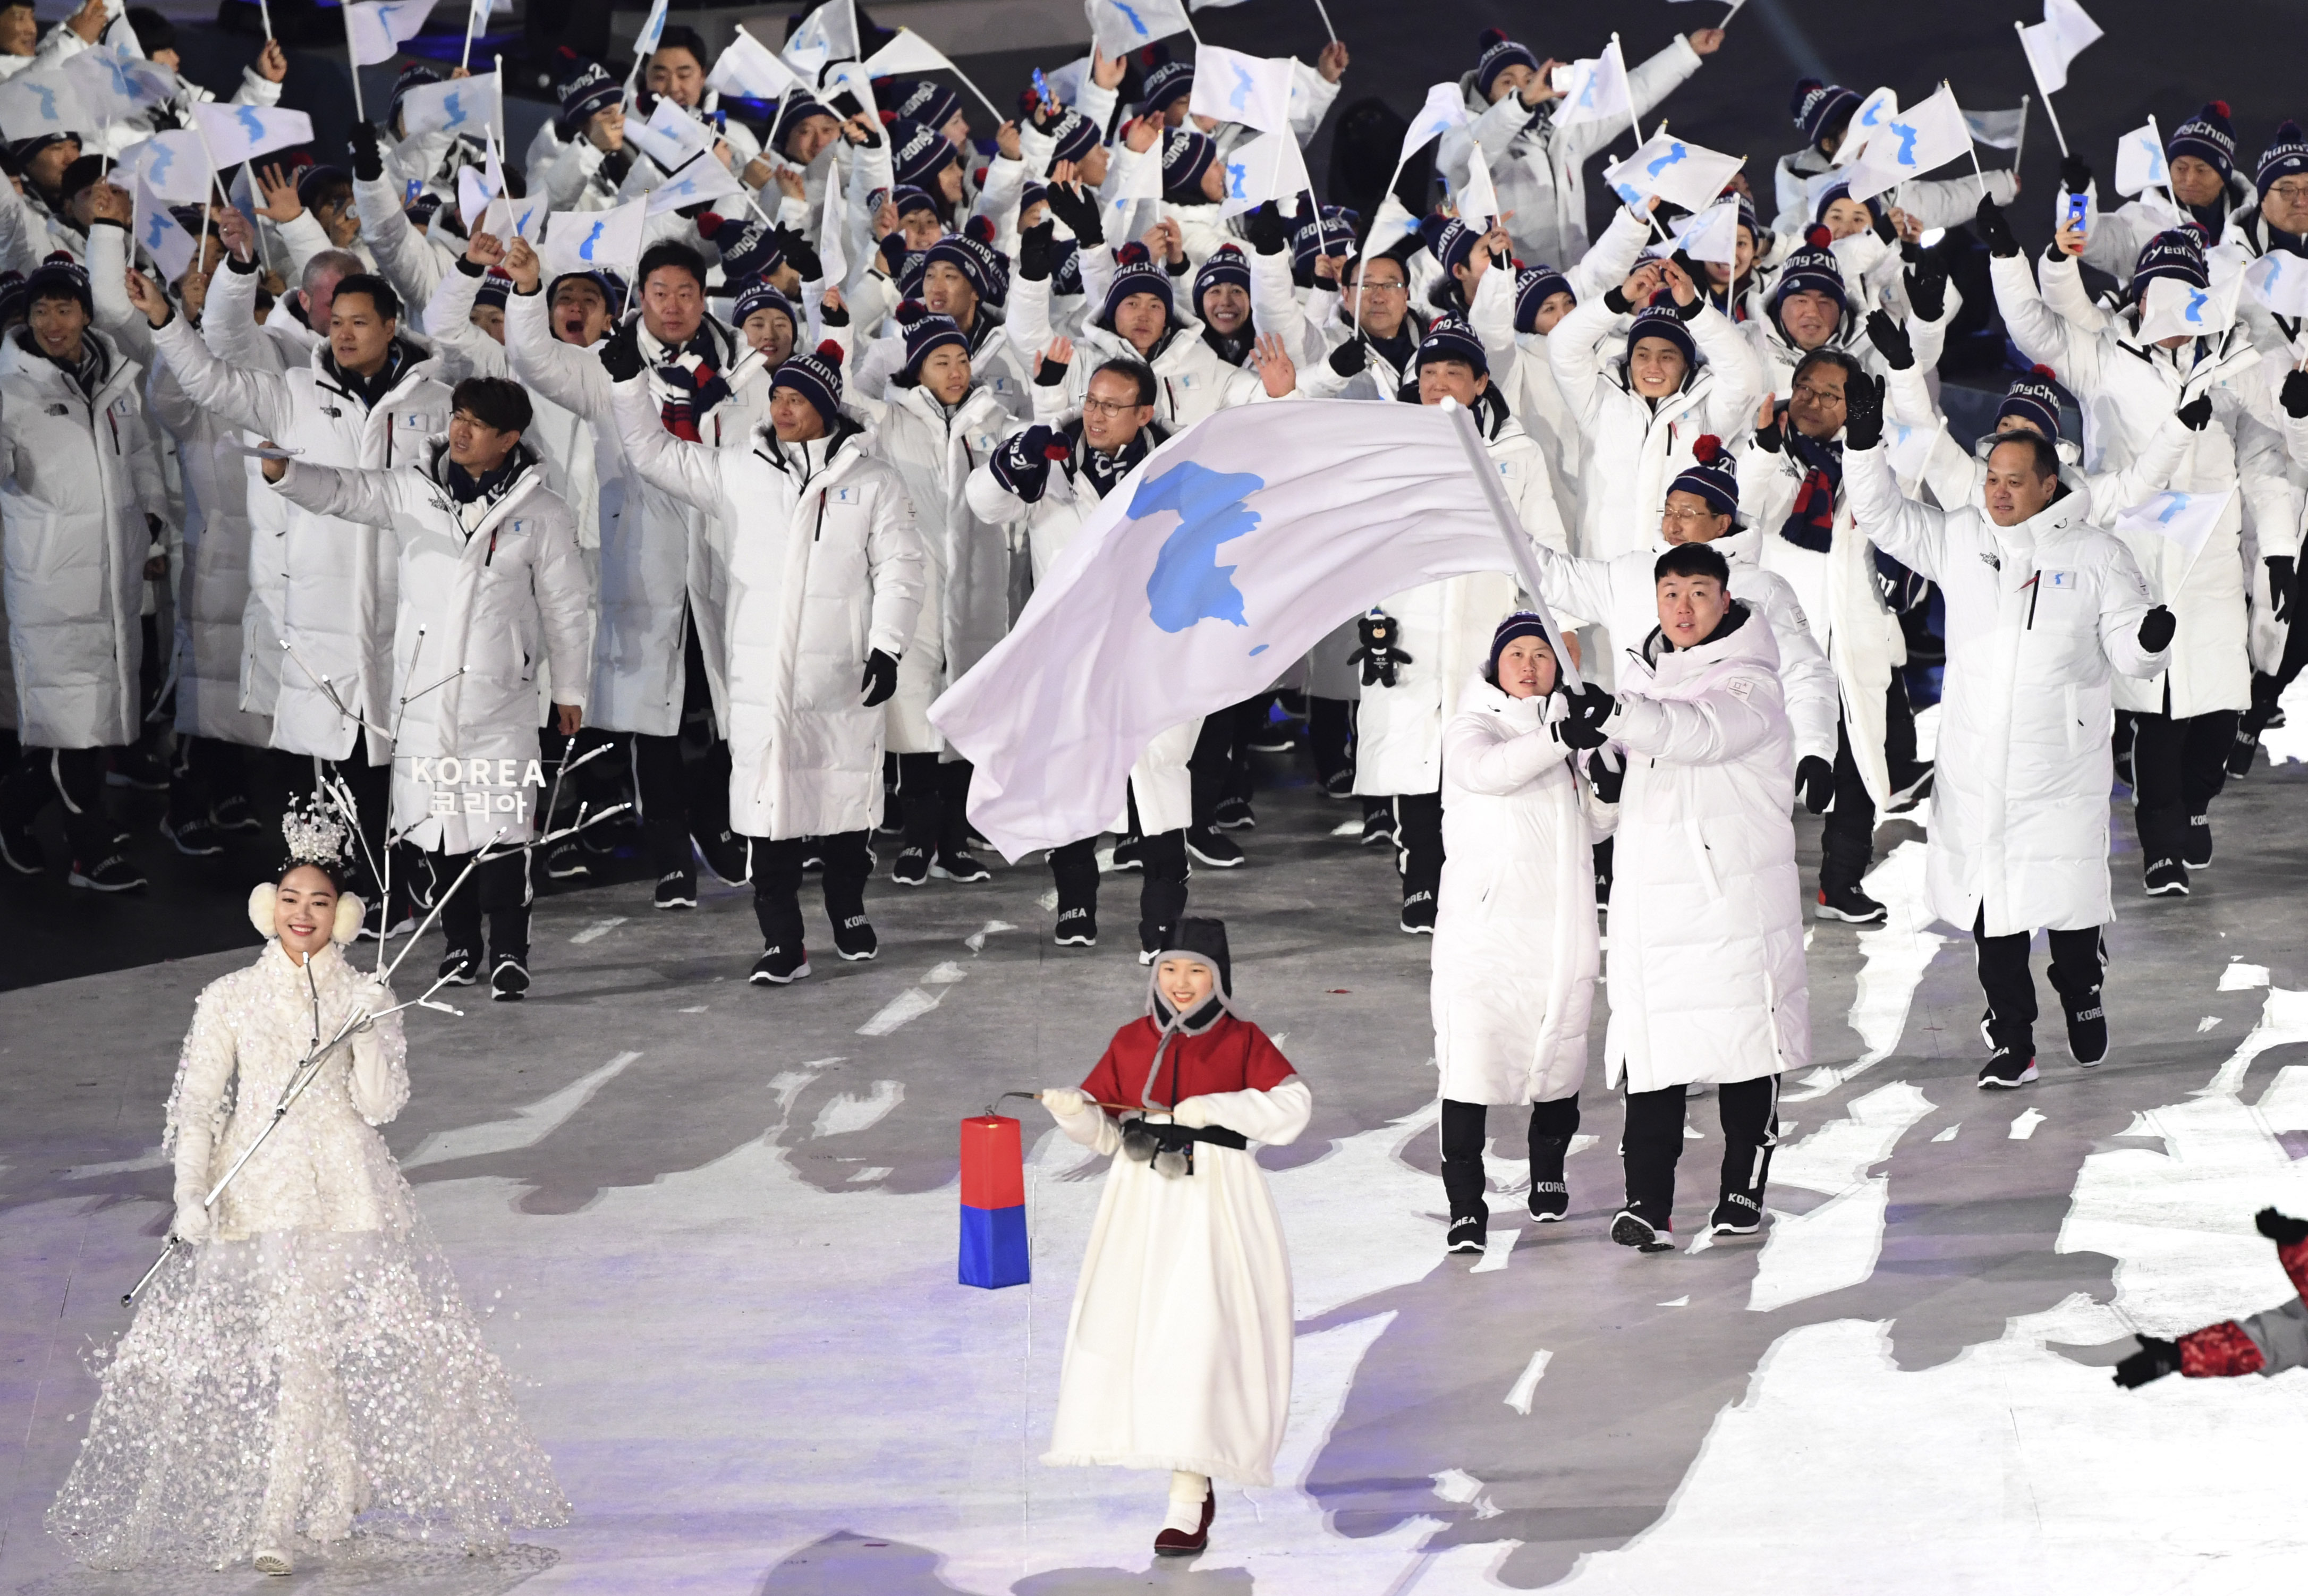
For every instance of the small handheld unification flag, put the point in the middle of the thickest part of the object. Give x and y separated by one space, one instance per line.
994 1246
1678 171
1594 91
2185 519
702 181
1479 197
171 165
1253 90
238 133
2172 308
461 105
1119 26
1132 180
1709 235
2055 41
1866 122
829 33
747 69
1912 143
2140 161
652 30
671 137
33 104
1269 167
375 29
1998 130
160 234
908 52
1445 109
594 240
2279 281
114 83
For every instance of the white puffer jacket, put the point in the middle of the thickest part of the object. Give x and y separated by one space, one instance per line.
1159 782
339 595
489 591
825 567
1707 972
2127 390
2039 618
1445 628
1634 448
1190 380
966 569
1516 952
80 477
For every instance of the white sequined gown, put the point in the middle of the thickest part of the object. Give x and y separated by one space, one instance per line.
313 1363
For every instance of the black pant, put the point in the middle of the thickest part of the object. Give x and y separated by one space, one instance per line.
2178 768
203 773
371 786
71 777
1652 1142
1419 845
681 783
1161 891
1846 840
777 883
497 888
1552 1126
2079 958
933 804
1331 727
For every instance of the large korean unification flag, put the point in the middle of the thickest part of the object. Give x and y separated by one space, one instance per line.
1223 558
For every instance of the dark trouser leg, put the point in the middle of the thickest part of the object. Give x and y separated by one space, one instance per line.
660 788
1331 727
843 880
705 756
1419 816
2158 787
504 899
920 799
1074 869
1749 1111
777 890
2011 990
1649 1146
1847 841
2078 962
2204 766
1463 1136
1603 872
1212 765
75 779
1250 720
953 807
201 771
461 915
1552 1126
1899 731
1162 898
371 786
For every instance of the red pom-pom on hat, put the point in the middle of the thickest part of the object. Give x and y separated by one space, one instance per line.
980 227
2045 372
1707 449
2221 105
1132 253
910 311
1817 236
830 350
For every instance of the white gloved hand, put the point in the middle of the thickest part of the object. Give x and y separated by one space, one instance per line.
192 1221
1064 1101
1194 1114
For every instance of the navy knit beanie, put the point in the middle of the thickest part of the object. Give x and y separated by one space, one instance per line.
816 377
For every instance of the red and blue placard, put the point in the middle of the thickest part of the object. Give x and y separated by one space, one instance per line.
993 1204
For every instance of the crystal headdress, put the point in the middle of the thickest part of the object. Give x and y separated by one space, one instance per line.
316 833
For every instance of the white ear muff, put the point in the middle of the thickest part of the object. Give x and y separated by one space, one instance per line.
261 899
350 912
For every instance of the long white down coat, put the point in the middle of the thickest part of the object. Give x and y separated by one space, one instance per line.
1516 950
338 594
825 567
482 606
1160 784
2039 617
1707 972
80 476
1446 629
2126 390
1635 448
966 558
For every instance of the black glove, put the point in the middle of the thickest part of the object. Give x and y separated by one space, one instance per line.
1863 412
2156 630
1349 357
1589 707
1607 774
621 358
1928 281
1269 230
1816 777
1023 464
2156 1358
892 251
1378 656
881 678
2075 173
368 158
1078 211
1891 340
2197 413
2281 1228
798 253
615 164
1881 220
1036 246
1995 231
1767 437
833 315
1049 372
2282 585
2296 394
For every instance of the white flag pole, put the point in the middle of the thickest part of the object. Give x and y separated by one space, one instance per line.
1324 12
2020 149
1518 541
2022 29
1362 256
264 9
2157 135
465 60
217 182
352 59
974 89
255 223
1970 145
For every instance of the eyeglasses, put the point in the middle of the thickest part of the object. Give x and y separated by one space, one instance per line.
1687 514
1383 287
2291 191
1109 408
1819 395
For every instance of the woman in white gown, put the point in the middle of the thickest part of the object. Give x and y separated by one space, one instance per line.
305 1359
